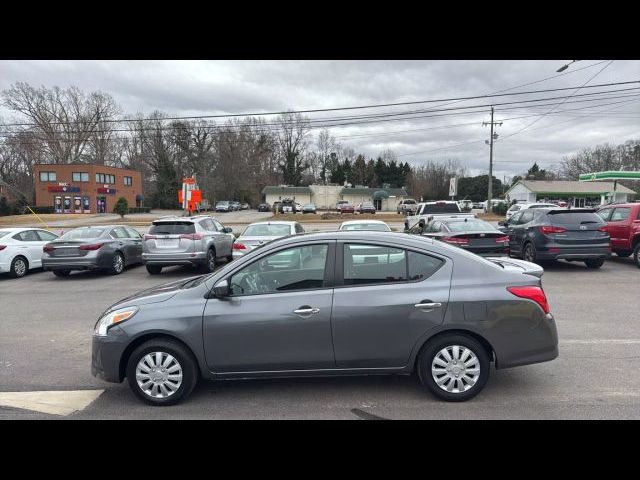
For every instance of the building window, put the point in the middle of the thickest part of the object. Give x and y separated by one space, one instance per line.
47 176
105 178
128 181
80 176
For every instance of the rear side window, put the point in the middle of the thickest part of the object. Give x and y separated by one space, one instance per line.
422 266
27 236
172 228
620 214
299 228
574 218
45 236
372 264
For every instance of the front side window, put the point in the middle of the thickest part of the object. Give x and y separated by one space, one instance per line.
119 232
526 217
620 214
133 233
218 225
298 268
371 264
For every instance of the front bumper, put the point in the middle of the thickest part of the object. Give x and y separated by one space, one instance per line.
169 259
106 353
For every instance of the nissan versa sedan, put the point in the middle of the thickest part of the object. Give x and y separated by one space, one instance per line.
21 249
331 303
110 248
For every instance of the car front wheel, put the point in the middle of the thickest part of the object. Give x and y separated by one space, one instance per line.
18 267
529 253
454 367
594 263
117 264
636 254
161 372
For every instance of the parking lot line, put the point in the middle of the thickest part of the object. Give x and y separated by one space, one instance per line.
597 341
51 402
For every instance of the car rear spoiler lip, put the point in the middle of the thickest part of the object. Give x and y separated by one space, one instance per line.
528 268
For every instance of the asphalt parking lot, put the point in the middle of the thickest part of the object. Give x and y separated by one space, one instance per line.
46 324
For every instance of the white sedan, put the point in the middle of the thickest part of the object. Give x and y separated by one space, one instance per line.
376 225
21 249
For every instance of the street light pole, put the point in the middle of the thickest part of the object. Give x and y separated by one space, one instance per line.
490 192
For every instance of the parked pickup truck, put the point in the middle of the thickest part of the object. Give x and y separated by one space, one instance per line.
408 206
623 226
427 211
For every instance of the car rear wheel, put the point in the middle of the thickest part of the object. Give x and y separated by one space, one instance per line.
154 269
210 266
636 254
161 372
594 262
61 273
117 264
19 267
624 253
454 367
529 253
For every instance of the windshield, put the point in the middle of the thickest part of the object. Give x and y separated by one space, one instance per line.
81 233
471 225
172 228
265 230
378 227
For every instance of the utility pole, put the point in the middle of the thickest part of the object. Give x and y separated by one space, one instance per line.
490 142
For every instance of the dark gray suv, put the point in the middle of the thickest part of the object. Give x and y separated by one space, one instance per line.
335 303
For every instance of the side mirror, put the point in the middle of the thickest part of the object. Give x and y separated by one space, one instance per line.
227 230
502 223
221 289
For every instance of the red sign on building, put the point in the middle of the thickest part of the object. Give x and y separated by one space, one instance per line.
108 191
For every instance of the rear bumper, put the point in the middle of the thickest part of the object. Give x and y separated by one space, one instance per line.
168 259
4 267
74 264
574 253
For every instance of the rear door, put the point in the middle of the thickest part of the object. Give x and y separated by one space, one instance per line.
136 240
225 240
176 236
30 245
517 230
386 298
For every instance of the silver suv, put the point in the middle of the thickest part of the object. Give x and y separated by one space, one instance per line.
199 240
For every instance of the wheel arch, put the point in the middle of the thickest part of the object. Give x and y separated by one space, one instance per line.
124 359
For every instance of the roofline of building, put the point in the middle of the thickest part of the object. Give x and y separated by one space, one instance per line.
542 192
83 164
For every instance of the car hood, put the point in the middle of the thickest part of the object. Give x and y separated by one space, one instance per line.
157 294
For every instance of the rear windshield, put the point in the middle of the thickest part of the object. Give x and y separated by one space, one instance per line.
377 227
441 208
409 201
471 225
575 218
81 233
267 231
2 234
172 228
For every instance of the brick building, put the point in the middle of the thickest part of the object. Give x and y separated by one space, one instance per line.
85 188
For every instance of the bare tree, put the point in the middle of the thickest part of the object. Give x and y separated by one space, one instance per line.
292 144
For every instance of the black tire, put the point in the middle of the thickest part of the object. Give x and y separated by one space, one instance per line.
183 357
61 273
529 253
624 253
636 255
19 267
431 350
117 264
230 258
594 262
154 269
210 264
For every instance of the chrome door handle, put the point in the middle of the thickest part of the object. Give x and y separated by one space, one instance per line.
428 305
306 311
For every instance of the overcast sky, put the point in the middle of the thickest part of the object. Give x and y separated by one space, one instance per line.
226 87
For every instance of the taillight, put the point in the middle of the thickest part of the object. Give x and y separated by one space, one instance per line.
547 229
149 237
93 246
604 228
532 293
456 240
502 239
192 236
2 247
46 248
239 246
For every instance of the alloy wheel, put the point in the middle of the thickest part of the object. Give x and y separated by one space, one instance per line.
528 254
211 259
159 374
455 369
20 267
118 263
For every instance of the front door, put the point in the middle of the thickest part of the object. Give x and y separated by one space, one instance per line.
619 227
389 298
278 316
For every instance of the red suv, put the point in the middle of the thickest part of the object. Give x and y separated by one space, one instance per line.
623 225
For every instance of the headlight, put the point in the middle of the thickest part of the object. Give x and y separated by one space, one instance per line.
112 318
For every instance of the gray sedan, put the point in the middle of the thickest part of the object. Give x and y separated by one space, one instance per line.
110 248
259 233
331 303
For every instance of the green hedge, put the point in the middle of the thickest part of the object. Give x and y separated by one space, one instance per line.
40 209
